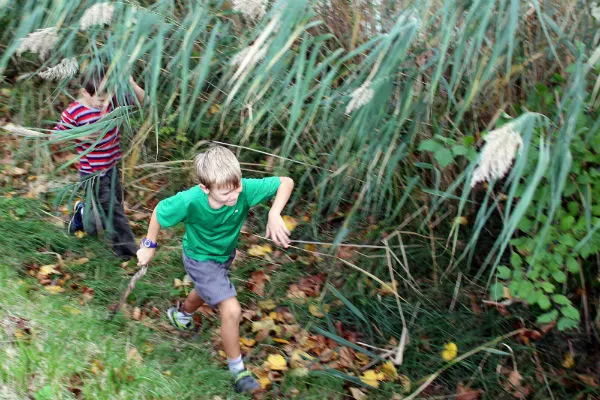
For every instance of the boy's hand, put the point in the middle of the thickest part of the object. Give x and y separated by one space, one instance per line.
145 255
277 231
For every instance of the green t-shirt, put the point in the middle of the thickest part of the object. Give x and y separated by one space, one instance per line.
213 234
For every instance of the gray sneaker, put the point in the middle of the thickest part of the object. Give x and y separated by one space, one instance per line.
244 382
179 320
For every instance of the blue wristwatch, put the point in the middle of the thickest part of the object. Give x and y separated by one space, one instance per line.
147 243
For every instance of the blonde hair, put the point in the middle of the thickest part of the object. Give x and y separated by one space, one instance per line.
218 167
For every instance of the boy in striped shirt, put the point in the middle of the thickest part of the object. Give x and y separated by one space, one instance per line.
99 155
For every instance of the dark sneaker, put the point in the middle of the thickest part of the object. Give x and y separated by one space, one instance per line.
179 320
244 382
76 222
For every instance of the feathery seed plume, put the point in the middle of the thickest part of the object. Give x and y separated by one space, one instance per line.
252 9
498 153
98 14
360 97
40 42
67 68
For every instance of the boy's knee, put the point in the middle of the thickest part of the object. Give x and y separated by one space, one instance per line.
231 310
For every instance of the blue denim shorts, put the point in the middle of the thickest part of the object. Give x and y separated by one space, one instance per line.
211 279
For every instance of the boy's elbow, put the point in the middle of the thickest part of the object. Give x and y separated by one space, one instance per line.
286 180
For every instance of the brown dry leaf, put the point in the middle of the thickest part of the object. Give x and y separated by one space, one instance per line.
134 355
357 394
276 362
466 393
257 282
311 285
515 387
294 292
260 251
14 171
587 379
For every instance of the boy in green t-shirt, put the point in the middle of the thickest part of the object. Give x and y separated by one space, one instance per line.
214 212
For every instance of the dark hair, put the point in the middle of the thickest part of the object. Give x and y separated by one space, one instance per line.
93 78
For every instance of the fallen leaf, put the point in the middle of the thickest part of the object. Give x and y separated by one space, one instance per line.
357 394
405 383
315 310
80 261
299 372
282 341
259 251
276 362
294 292
54 289
247 342
134 355
267 305
48 270
466 393
389 370
15 171
568 361
290 222
72 310
587 379
372 378
136 314
257 282
515 386
450 351
300 359
265 324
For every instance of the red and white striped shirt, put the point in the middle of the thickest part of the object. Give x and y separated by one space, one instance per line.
106 152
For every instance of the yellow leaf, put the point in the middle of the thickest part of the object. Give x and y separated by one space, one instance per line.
80 234
282 341
290 222
264 381
72 310
267 305
372 378
177 283
389 370
315 310
265 324
568 361
48 269
300 359
222 354
506 293
214 108
461 220
405 383
20 333
54 289
80 261
259 251
299 372
450 351
247 342
276 362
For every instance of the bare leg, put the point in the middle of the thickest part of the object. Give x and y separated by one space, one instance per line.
192 302
231 313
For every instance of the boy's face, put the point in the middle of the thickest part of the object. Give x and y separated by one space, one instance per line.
98 99
223 196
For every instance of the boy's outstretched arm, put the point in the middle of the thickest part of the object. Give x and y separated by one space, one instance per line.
140 93
275 226
145 255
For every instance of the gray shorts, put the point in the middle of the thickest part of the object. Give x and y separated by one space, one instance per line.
210 279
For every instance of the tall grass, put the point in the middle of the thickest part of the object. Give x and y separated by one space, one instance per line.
437 69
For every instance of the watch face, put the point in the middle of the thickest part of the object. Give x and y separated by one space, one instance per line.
147 243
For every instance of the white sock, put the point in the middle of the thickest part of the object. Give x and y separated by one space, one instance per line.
236 365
